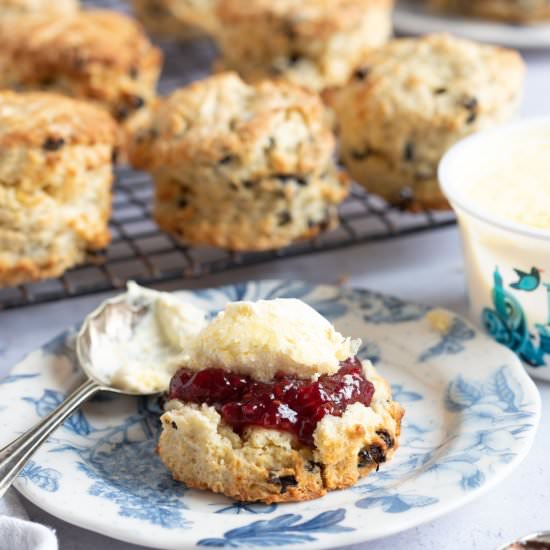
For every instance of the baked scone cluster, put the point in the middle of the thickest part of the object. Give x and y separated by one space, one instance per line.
239 166
55 183
20 7
98 55
314 43
515 11
413 98
160 21
272 405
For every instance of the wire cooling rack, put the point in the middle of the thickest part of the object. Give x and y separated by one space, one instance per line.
140 251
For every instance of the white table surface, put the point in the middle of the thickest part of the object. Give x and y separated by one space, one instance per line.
424 268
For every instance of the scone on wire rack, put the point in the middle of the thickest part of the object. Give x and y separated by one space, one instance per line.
272 405
515 11
55 183
409 101
25 7
98 55
314 43
160 21
237 166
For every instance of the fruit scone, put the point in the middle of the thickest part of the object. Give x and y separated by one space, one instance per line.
313 43
55 183
238 166
272 404
413 98
515 11
99 55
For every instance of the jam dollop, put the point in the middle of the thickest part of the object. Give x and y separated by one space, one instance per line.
287 403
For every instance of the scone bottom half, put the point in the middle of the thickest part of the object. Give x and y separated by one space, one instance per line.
290 438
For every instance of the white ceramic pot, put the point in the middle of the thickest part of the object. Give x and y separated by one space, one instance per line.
507 263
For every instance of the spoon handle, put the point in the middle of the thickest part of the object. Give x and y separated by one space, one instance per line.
15 455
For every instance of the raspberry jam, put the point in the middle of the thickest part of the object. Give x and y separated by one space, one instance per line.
289 404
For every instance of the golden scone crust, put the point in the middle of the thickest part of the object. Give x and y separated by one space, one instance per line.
99 55
55 183
409 101
314 43
515 11
271 466
238 166
19 7
159 20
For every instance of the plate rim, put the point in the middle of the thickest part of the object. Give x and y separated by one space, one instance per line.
40 498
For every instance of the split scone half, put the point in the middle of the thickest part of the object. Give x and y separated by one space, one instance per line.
99 55
238 166
55 183
273 405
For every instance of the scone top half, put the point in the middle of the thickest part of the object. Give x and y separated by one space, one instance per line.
413 98
239 166
273 405
99 55
55 183
314 43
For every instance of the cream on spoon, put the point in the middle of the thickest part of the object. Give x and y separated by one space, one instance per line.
131 345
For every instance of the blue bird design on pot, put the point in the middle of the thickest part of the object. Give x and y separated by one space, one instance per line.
527 281
508 325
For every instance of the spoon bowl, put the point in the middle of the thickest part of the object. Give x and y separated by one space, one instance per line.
115 320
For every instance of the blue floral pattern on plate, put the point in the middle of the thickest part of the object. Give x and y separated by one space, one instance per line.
280 531
452 342
471 415
45 478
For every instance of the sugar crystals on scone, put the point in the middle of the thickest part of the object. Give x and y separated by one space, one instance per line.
273 405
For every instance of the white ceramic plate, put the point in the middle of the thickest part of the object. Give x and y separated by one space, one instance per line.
471 416
410 17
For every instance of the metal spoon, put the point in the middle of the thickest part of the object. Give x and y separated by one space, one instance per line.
538 541
114 320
